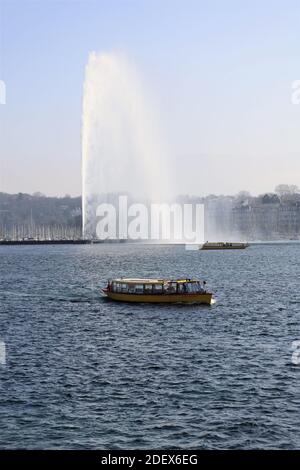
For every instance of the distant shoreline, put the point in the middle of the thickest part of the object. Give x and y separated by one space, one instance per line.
109 242
45 242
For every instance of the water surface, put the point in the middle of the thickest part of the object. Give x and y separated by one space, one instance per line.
87 373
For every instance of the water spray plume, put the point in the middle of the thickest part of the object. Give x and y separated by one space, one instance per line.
122 150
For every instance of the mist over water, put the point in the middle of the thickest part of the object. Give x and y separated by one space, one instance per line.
122 149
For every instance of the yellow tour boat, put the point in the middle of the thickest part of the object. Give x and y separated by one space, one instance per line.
224 246
158 290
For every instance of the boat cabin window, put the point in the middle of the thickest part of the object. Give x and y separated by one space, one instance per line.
119 287
157 288
180 288
115 287
189 287
148 288
171 288
139 288
199 287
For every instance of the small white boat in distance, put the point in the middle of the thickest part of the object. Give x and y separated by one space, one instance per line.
224 246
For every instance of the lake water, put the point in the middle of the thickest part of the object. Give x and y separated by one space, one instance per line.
83 372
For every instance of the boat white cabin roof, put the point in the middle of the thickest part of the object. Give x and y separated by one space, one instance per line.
151 281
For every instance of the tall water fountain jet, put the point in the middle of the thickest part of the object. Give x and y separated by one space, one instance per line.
122 151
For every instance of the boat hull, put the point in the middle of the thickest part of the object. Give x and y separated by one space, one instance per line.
200 298
224 247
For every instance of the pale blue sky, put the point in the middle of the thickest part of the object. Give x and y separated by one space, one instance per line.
220 74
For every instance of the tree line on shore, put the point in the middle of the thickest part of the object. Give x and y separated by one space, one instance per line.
269 215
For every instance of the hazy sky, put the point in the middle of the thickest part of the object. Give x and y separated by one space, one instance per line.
219 74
